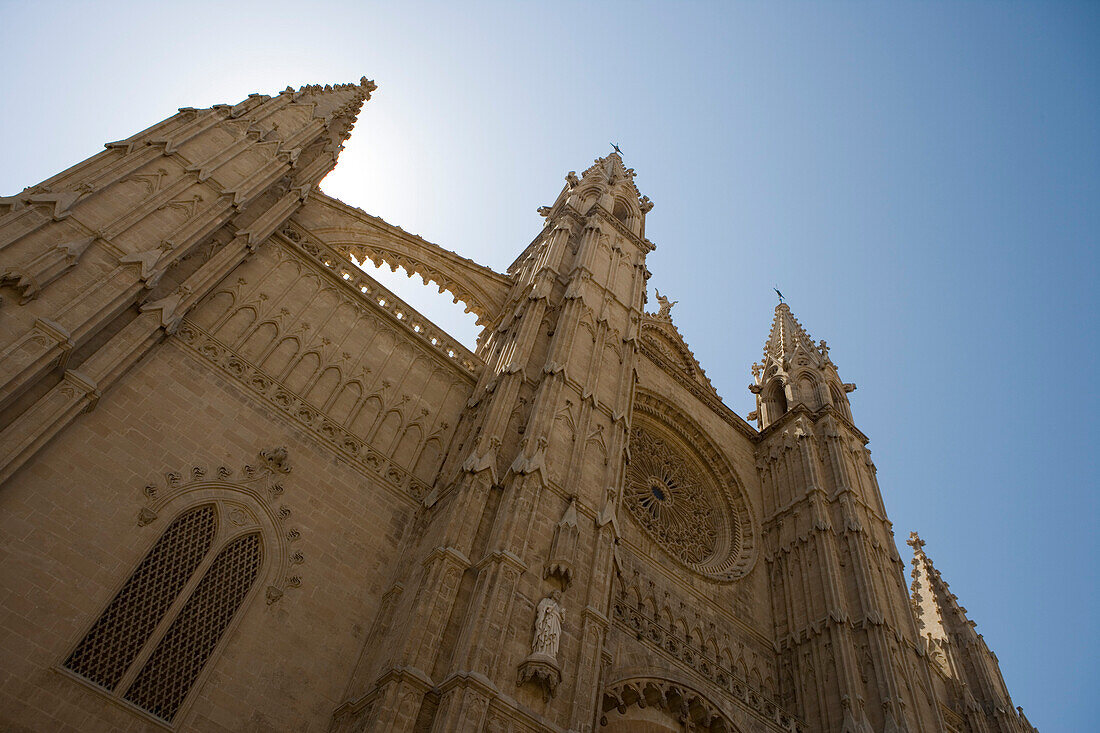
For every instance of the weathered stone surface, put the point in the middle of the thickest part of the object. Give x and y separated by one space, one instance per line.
564 530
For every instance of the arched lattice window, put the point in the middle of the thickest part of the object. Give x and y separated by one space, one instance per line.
154 638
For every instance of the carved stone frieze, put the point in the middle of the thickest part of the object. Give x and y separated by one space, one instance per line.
343 442
668 642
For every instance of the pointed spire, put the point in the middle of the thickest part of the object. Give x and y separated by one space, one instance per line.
606 186
956 650
795 371
930 595
610 171
786 335
333 100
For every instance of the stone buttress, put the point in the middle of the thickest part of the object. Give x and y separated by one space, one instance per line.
102 261
525 503
849 652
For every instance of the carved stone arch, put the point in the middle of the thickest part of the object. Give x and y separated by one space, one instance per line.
220 544
234 324
586 196
775 398
428 460
809 388
297 377
386 432
365 237
659 705
259 339
245 507
406 447
625 207
666 617
839 399
707 481
215 308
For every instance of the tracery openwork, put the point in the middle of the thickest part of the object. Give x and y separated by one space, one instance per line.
670 499
683 493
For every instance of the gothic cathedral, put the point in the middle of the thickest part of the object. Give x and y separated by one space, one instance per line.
243 487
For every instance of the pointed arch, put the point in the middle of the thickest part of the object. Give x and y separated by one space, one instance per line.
367 415
429 460
213 308
808 392
152 643
840 400
237 325
303 370
387 430
118 635
775 400
346 399
406 447
165 679
257 342
324 387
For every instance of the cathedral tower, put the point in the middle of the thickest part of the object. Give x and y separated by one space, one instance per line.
244 486
849 652
542 437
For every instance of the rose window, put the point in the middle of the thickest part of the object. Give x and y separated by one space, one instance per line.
676 500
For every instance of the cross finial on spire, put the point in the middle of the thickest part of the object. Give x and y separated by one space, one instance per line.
616 147
915 542
776 289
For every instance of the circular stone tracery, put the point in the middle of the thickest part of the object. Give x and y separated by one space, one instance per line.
680 487
671 500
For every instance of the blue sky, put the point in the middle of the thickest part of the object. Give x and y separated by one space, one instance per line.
921 180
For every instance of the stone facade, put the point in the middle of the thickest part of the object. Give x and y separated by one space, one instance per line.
245 487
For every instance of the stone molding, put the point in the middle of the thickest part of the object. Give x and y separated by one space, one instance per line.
346 445
694 709
365 289
263 483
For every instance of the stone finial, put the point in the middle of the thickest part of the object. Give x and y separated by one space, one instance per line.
915 542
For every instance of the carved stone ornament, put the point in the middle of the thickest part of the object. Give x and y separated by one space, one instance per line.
677 500
203 482
276 459
541 665
564 547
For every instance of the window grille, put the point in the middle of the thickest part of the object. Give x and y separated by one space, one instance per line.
167 676
116 638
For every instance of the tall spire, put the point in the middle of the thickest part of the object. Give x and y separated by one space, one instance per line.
786 335
959 657
145 205
607 184
795 371
934 605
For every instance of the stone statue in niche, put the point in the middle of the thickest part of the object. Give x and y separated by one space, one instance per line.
548 620
541 665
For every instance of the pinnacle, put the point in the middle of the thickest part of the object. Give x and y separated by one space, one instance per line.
936 607
610 170
338 105
786 335
362 90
